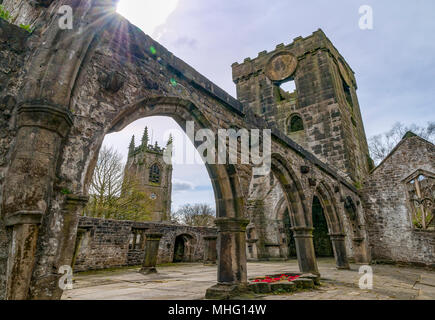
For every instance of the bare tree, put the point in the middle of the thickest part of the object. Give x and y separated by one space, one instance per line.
198 215
113 195
382 144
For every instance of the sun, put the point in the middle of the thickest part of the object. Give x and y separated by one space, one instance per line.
147 14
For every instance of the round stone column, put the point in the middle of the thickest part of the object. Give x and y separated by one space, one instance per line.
339 248
232 272
305 250
152 242
210 250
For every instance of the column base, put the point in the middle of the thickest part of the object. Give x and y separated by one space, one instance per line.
225 291
314 277
343 268
148 270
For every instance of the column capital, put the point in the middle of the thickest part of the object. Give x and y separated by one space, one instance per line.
24 217
358 239
231 224
210 238
337 236
77 199
50 117
153 236
302 232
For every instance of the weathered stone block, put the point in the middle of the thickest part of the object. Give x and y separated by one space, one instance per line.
283 286
304 283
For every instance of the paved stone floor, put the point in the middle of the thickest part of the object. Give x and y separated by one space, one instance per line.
190 280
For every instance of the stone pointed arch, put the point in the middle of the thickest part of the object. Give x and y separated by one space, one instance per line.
229 195
336 232
328 202
225 179
293 190
296 202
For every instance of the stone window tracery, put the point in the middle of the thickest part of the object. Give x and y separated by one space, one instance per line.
421 196
154 173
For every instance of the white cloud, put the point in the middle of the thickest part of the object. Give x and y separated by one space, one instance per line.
178 185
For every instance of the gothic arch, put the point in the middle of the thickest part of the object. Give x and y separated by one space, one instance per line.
335 227
297 208
295 123
226 185
155 173
329 205
229 196
184 247
292 189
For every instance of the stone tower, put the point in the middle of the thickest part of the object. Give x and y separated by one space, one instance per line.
146 163
322 114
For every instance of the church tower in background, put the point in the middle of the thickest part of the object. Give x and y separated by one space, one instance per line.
154 176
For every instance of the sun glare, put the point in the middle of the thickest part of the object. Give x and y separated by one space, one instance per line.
147 14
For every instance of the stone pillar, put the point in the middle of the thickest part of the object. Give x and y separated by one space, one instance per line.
29 186
210 250
339 248
305 250
253 243
360 251
46 276
232 271
151 252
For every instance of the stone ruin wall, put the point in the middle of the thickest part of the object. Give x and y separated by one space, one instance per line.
391 234
105 243
266 233
12 55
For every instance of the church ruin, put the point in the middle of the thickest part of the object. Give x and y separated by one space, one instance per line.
62 91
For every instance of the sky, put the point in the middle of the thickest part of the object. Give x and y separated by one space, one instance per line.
393 62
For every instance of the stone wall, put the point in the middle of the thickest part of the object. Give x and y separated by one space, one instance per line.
109 243
392 236
268 236
12 51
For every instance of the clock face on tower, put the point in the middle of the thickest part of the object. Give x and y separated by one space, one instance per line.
153 196
281 66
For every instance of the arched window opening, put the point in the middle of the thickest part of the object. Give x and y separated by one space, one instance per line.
295 124
421 197
155 173
184 247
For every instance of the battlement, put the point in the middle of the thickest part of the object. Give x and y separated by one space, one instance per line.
299 48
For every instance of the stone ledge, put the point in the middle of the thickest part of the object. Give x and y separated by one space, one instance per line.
24 217
222 291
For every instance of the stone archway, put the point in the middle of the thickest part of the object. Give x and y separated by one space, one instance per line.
322 242
323 198
184 246
74 87
299 218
